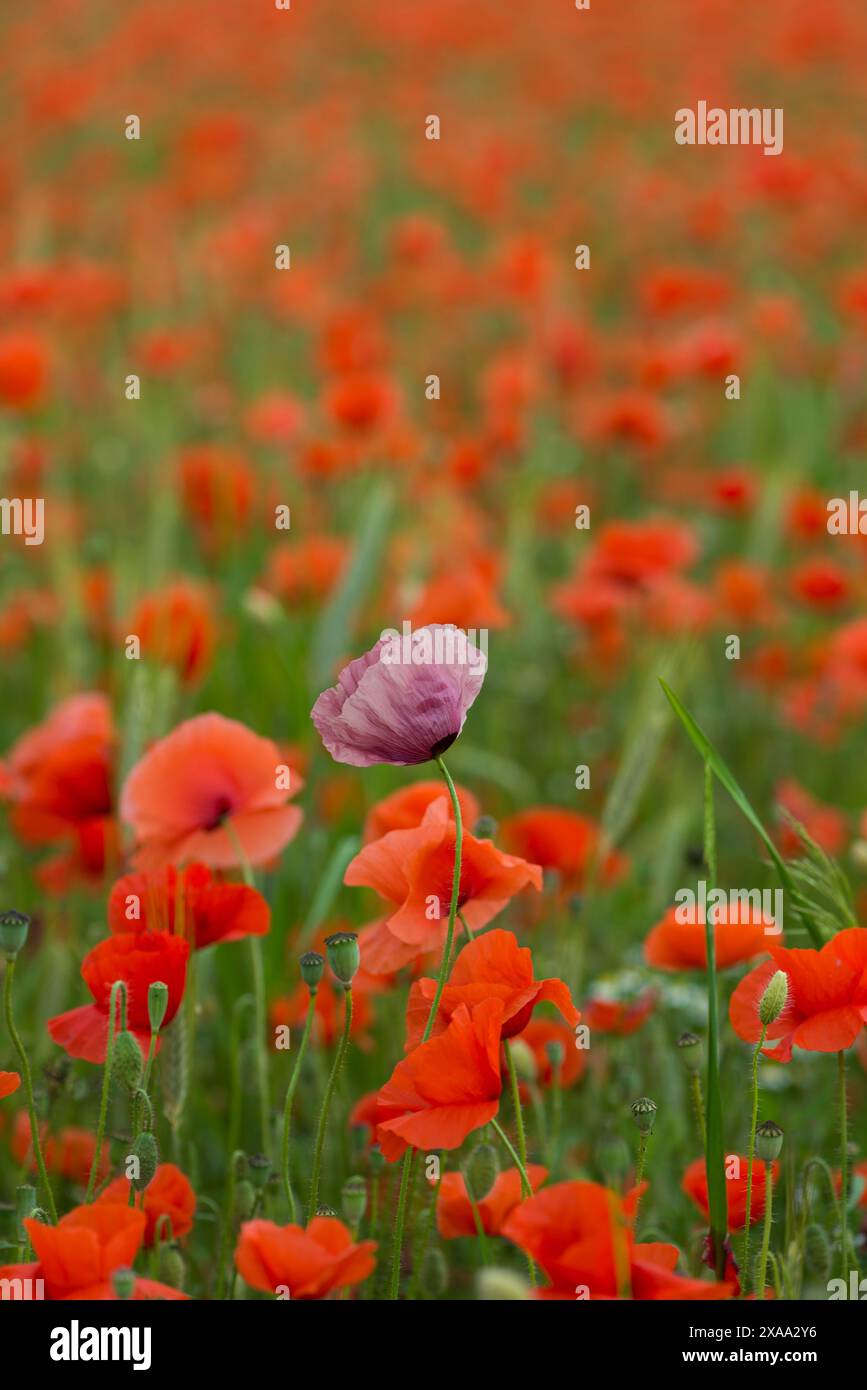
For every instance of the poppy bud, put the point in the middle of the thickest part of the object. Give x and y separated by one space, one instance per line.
344 956
25 1205
353 1199
501 1286
245 1199
14 927
158 1002
556 1053
773 1001
485 828
481 1170
259 1168
691 1051
524 1060
613 1157
128 1064
769 1141
144 1148
434 1273
142 1111
172 1265
644 1114
312 967
817 1250
123 1280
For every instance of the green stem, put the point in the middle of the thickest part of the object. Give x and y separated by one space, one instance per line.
751 1158
698 1106
526 1187
714 1153
399 1219
28 1085
257 969
516 1102
766 1234
287 1108
639 1175
844 1169
225 1231
117 987
326 1106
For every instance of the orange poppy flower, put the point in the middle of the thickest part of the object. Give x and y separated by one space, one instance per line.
823 823
493 966
70 1153
580 1234
139 958
77 1258
537 1035
405 808
619 1016
190 903
455 1212
175 626
291 1010
827 1000
562 841
676 945
309 1263
446 1087
207 771
168 1194
9 1082
412 870
694 1185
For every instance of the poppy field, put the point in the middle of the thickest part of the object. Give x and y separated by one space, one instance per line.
433 807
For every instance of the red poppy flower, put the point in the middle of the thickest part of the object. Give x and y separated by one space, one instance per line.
139 958
69 1153
412 869
189 902
455 1212
175 626
405 809
619 1016
446 1087
493 966
77 1258
538 1034
209 771
310 1263
694 1185
9 1082
824 824
580 1234
827 1000
291 1010
308 571
562 841
168 1194
676 945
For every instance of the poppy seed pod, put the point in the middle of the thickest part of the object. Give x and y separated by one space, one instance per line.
312 969
485 828
259 1168
158 1001
324 1210
344 956
128 1064
773 1001
145 1149
769 1141
691 1051
123 1281
481 1170
14 927
644 1114
353 1199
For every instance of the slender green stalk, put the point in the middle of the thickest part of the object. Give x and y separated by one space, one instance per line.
423 1241
117 988
698 1105
714 1153
516 1101
287 1108
257 970
399 1220
643 1140
526 1186
766 1234
226 1227
748 1274
844 1169
28 1085
326 1106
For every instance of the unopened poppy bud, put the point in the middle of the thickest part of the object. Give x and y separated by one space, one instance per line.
145 1149
817 1250
434 1273
773 1001
556 1054
172 1265
485 828
123 1280
524 1060
259 1168
613 1157
245 1199
25 1205
644 1114
481 1170
142 1110
344 956
158 1002
128 1064
312 968
769 1141
353 1199
14 927
502 1286
691 1051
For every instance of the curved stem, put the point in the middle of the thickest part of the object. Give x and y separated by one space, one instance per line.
526 1187
326 1106
28 1084
453 907
751 1158
287 1108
